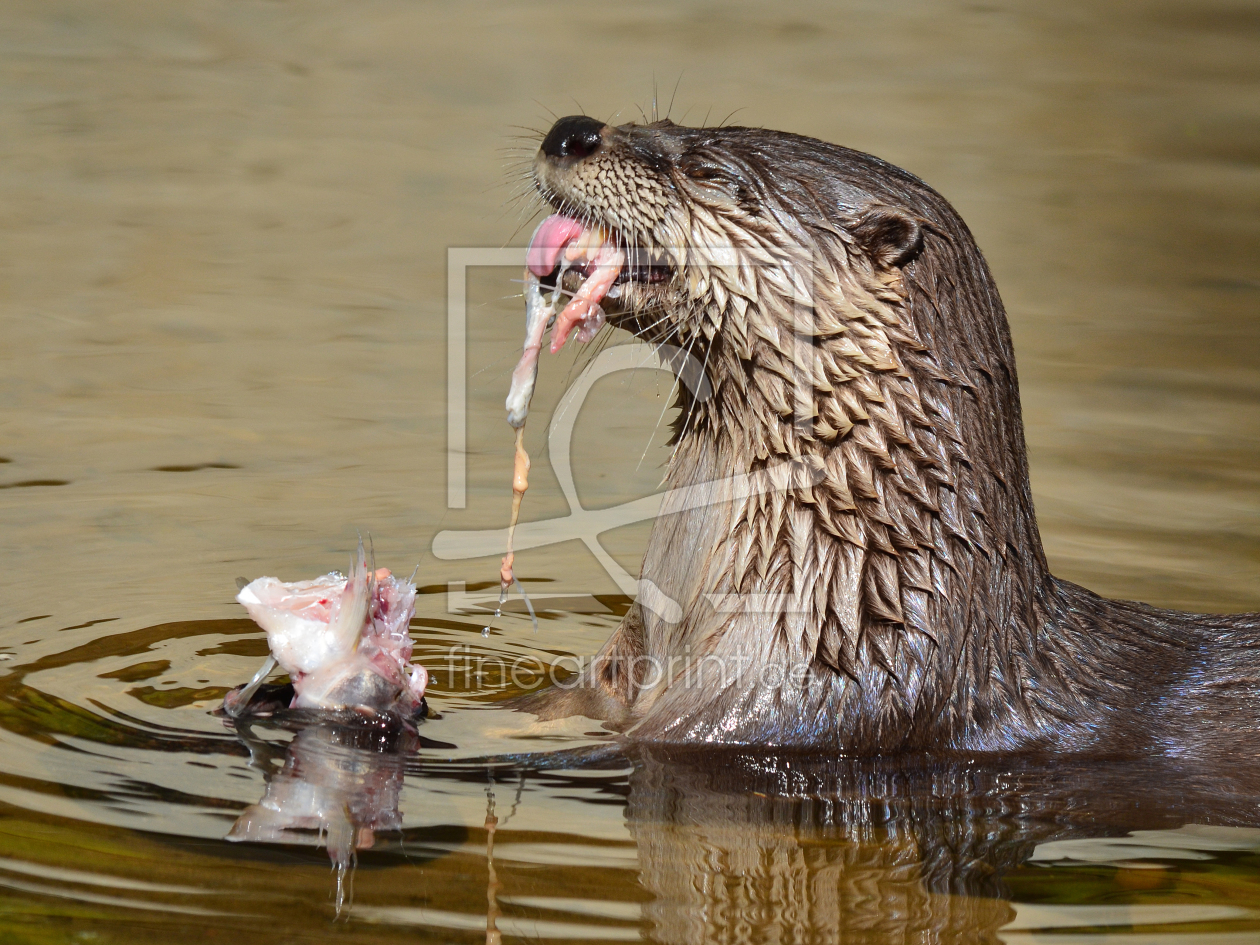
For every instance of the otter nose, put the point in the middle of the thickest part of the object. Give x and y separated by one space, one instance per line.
576 136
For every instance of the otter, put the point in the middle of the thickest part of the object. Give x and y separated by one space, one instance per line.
847 556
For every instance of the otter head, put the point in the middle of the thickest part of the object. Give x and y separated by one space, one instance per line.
714 220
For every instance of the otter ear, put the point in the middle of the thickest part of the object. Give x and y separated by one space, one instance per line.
891 237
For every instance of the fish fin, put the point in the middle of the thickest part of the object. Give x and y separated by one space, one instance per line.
242 699
355 600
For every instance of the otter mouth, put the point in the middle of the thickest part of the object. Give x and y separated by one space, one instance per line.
595 266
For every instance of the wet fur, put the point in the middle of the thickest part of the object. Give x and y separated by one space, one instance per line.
893 506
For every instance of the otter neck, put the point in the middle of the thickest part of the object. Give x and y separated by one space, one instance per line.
875 529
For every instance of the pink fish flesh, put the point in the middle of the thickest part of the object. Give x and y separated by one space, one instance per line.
343 641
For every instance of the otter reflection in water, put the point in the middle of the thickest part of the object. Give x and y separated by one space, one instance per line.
740 845
745 844
849 534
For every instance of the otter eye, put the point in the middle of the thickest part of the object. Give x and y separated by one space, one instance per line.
709 172
723 179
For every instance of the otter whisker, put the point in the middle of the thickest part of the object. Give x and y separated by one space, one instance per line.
556 291
668 398
704 370
664 318
670 109
553 115
591 351
534 133
656 426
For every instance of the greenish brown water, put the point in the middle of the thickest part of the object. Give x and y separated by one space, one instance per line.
223 293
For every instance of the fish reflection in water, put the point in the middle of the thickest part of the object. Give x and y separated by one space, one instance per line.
338 783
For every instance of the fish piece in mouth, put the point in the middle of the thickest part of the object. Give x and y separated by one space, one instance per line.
600 259
343 640
563 243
